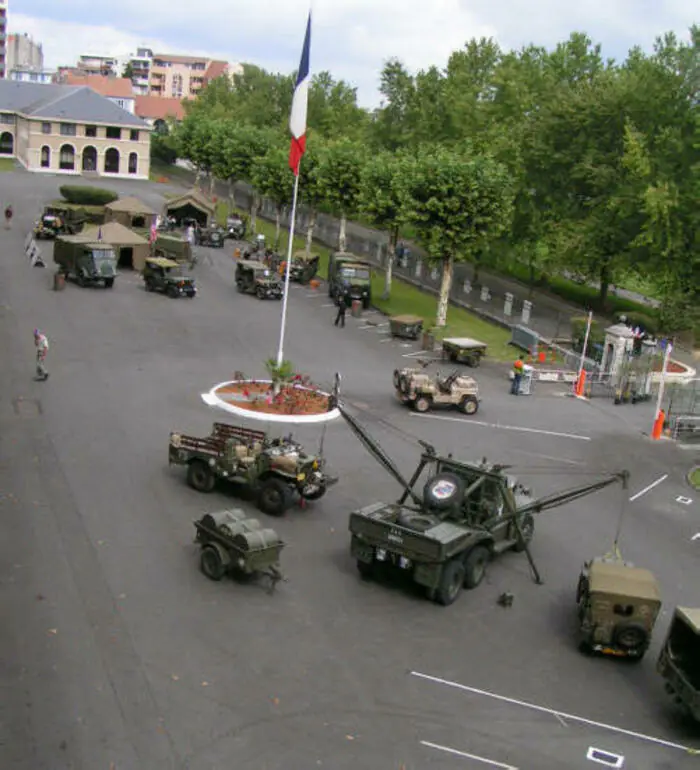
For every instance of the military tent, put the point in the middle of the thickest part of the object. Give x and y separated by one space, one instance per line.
131 249
130 212
192 205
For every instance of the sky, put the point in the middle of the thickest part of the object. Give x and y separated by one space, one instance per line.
350 38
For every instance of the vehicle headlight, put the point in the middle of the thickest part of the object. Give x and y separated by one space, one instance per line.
301 476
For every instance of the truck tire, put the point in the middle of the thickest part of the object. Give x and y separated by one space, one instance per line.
366 569
316 493
200 476
80 280
397 378
109 283
630 636
422 404
527 527
469 405
475 566
211 563
149 286
451 582
443 490
273 497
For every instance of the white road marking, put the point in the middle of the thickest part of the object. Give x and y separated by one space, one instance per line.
469 421
553 712
656 483
684 500
696 536
464 754
606 758
422 353
329 304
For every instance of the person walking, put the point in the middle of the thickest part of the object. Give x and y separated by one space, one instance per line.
42 348
342 308
517 377
8 217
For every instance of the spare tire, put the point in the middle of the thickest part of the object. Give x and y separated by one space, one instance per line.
443 491
416 521
403 384
630 636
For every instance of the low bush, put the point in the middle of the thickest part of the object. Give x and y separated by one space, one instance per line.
645 322
87 196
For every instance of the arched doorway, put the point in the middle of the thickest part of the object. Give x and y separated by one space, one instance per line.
66 158
89 158
112 161
7 143
46 157
133 163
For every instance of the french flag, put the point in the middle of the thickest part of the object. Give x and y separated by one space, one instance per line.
300 103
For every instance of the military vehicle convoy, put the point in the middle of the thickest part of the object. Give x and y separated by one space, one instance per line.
423 392
277 471
679 660
349 273
89 264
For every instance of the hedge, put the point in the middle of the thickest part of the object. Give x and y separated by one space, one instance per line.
89 196
645 322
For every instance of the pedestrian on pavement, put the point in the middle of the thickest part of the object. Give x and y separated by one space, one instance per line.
342 307
517 377
42 348
8 217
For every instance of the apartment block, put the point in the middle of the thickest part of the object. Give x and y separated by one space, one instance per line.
3 38
140 66
183 77
22 53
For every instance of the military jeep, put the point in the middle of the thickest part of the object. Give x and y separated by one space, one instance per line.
423 391
256 278
618 604
166 275
304 267
212 237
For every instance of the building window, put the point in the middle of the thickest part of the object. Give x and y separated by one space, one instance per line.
134 135
112 132
46 128
7 118
68 129
45 157
133 163
112 161
7 143
89 158
66 160
177 86
91 131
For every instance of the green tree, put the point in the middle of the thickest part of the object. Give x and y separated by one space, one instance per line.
196 141
338 178
128 71
311 194
456 203
273 179
383 200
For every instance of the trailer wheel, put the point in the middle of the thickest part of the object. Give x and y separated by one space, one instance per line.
451 582
211 563
273 497
475 566
200 476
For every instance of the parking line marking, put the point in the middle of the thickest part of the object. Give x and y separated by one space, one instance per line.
553 712
466 755
503 427
605 758
329 304
656 483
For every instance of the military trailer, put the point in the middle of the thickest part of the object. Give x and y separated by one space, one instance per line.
444 538
257 278
679 661
618 605
406 326
423 392
276 470
232 543
166 276
349 273
464 350
172 246
89 264
304 267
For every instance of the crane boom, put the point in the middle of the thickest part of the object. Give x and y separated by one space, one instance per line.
568 495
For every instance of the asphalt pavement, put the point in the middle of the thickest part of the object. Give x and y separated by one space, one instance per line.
116 652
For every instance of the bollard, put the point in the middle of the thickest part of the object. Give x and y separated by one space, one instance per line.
356 308
580 384
59 281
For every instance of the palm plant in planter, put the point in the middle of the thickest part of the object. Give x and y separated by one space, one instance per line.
280 374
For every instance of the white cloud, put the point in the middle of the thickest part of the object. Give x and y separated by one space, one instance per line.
351 38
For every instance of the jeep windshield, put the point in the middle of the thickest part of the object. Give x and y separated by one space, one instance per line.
174 272
355 273
102 255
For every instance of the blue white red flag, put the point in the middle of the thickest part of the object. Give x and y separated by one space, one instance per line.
300 102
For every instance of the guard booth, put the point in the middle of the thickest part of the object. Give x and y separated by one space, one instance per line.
527 380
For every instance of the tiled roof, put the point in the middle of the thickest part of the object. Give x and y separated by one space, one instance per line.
179 59
117 88
159 107
60 102
215 70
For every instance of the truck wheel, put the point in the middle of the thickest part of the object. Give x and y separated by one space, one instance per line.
200 476
273 497
315 492
109 283
469 405
527 527
630 636
149 286
80 280
475 566
211 564
397 378
171 291
366 569
421 404
260 293
451 582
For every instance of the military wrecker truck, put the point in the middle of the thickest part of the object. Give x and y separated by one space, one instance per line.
679 660
444 537
349 273
275 470
89 264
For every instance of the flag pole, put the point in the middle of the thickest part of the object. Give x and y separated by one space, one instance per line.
287 270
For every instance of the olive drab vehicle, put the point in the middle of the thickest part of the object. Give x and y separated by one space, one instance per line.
679 661
618 605
235 228
172 246
276 470
467 514
72 219
422 392
213 237
50 226
346 272
257 278
89 264
304 267
166 275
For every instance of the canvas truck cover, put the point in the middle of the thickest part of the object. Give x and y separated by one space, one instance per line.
614 578
691 617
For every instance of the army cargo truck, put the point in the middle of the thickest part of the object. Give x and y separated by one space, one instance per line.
349 273
172 246
679 661
89 264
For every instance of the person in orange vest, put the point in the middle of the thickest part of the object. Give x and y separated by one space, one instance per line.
517 377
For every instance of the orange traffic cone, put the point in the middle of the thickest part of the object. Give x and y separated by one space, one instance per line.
658 428
580 384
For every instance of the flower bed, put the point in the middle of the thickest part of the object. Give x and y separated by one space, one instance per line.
260 396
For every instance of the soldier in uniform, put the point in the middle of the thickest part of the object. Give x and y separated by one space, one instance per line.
342 308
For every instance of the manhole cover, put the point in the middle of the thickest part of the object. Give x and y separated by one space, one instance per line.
27 407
